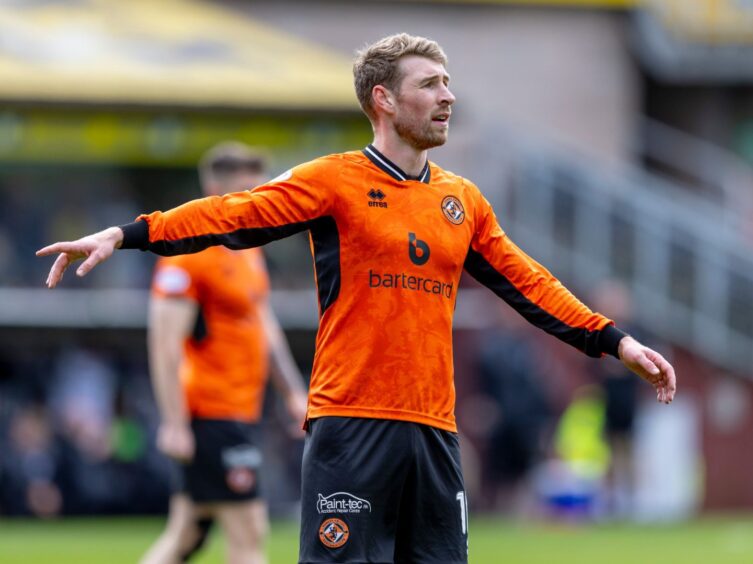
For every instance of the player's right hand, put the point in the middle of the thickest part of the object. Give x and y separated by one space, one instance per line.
95 248
651 366
176 441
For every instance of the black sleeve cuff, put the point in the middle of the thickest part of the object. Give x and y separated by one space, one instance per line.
135 235
609 342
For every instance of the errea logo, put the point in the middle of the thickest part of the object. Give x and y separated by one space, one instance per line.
376 198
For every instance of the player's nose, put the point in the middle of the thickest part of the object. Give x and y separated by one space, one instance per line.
446 96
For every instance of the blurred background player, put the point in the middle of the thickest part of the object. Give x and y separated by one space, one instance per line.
211 333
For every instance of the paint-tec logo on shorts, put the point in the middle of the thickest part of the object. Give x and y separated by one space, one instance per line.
453 210
334 533
342 502
241 455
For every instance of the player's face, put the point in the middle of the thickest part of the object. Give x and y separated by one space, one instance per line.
422 116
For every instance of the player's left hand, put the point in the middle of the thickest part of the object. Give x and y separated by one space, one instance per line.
651 366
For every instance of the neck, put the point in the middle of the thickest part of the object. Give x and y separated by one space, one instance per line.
409 159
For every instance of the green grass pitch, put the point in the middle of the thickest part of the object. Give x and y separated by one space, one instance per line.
114 540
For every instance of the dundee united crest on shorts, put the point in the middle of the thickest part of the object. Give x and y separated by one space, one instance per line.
240 480
453 210
334 533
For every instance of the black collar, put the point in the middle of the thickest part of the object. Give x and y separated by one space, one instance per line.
392 169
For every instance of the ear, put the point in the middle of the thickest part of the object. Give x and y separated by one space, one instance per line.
383 99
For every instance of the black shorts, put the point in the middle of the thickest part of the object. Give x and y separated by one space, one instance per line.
382 491
226 463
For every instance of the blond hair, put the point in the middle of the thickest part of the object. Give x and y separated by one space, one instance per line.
378 64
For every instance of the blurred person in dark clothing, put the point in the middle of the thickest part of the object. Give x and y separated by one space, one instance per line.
509 376
81 401
30 466
621 398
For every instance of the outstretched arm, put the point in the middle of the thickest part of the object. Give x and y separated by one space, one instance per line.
532 291
291 203
94 248
651 366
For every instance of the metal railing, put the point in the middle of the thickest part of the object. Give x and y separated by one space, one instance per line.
717 176
688 265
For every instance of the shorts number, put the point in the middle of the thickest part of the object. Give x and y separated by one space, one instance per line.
463 511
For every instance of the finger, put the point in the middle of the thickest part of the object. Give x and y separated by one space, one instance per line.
668 378
93 260
57 270
62 247
648 365
671 382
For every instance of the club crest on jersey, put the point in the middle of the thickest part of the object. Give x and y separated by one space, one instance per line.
334 533
453 210
342 502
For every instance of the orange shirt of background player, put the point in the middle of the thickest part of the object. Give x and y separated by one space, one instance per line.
224 369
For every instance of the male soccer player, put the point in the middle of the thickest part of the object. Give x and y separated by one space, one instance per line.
211 332
390 234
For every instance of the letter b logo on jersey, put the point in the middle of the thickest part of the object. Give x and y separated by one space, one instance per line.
418 250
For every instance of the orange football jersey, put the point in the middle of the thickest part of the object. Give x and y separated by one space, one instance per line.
388 253
224 370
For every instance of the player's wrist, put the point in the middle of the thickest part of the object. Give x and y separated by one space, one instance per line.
610 339
135 235
176 425
625 342
114 234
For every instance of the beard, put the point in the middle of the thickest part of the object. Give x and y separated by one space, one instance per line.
420 136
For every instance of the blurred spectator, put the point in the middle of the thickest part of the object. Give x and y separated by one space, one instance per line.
620 390
570 483
519 411
31 465
81 400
